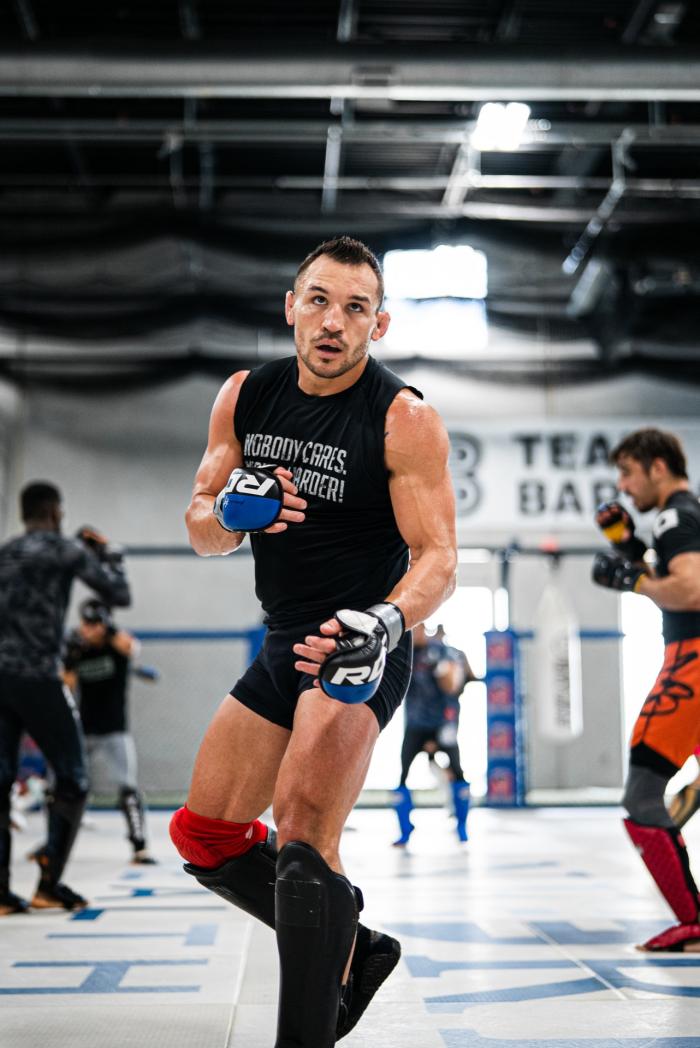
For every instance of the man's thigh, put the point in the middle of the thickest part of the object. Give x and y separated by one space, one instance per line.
669 722
237 764
326 763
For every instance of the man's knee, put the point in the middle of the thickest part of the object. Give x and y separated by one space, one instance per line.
209 842
307 818
69 789
247 880
643 798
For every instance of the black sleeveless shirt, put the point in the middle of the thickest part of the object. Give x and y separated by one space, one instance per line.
677 530
348 551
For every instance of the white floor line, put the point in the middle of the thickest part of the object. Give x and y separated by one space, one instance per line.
247 939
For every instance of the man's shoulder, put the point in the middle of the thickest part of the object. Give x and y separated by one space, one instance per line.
270 370
682 511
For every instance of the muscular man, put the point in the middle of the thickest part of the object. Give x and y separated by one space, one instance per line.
36 574
340 472
97 662
432 712
652 472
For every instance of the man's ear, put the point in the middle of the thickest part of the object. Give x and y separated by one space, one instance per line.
382 324
289 300
658 469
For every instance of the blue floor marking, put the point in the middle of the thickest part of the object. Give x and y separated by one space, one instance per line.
607 973
422 967
151 893
470 1039
104 977
563 933
458 931
198 935
458 1002
93 913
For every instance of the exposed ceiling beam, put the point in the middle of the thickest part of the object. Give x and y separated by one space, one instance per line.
679 188
352 71
455 132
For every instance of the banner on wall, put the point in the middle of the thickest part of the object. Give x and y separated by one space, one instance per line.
543 475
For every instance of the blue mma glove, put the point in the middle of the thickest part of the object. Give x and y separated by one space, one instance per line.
353 672
252 500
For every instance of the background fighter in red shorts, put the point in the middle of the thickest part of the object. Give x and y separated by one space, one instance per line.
652 472
339 471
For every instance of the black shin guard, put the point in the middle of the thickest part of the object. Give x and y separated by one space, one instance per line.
65 810
247 881
131 806
316 920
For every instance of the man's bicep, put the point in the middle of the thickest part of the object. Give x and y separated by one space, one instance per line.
685 564
421 489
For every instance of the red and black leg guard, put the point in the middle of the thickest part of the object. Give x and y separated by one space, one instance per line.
248 878
664 854
209 842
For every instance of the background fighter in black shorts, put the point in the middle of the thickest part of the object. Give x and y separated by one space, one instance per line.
340 471
36 574
652 472
438 676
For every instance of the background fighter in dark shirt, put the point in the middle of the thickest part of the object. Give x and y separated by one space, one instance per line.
340 470
432 715
652 472
36 574
97 664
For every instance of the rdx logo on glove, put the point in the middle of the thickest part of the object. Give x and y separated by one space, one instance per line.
353 672
252 500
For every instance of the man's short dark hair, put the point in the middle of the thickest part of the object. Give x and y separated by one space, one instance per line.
645 445
38 499
350 252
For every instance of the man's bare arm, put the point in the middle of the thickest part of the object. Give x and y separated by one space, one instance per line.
417 449
680 589
224 454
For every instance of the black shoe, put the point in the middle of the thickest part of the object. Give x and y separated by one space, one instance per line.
57 897
143 857
373 961
11 903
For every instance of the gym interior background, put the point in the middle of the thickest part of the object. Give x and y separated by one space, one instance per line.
165 167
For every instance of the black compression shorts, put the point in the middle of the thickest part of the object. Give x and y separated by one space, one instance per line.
271 686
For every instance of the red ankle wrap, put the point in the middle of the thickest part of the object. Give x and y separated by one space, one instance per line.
209 842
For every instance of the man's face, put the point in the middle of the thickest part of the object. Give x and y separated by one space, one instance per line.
94 633
334 312
634 481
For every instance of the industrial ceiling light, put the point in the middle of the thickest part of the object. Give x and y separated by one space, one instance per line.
436 301
446 271
500 127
